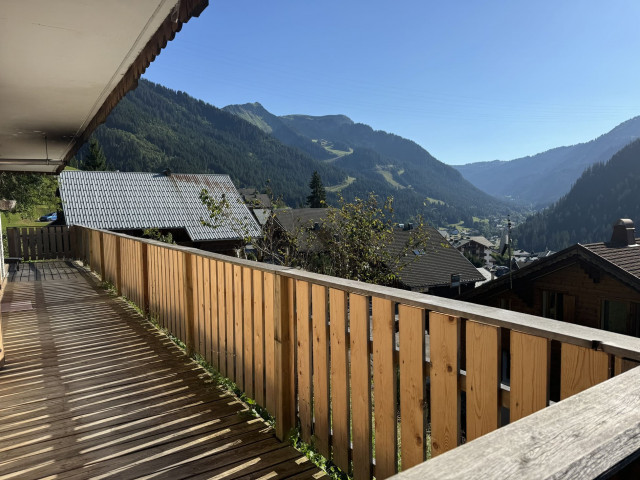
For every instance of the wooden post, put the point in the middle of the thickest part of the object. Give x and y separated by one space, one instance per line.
73 242
102 274
188 301
144 264
283 365
118 267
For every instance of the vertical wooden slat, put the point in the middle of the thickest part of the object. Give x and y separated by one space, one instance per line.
24 235
198 286
12 241
622 365
222 317
339 378
207 318
51 232
444 342
360 385
530 357
189 314
213 286
303 327
247 315
581 368
228 276
411 321
118 264
258 339
171 278
238 331
320 368
67 242
483 380
102 266
144 274
32 244
283 339
60 246
39 253
269 343
384 387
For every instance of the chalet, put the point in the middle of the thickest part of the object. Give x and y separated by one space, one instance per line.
131 202
596 285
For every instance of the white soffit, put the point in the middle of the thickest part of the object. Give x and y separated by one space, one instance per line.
66 63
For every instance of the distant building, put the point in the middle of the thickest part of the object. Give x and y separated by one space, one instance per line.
596 285
131 202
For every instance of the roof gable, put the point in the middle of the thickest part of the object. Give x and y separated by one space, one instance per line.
127 201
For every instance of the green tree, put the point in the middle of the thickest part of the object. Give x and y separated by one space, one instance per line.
29 191
96 159
355 242
318 196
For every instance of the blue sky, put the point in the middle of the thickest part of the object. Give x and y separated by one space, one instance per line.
467 80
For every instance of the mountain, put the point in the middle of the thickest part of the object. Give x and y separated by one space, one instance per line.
154 127
541 179
379 161
604 193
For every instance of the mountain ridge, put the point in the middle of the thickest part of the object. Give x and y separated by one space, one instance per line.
541 179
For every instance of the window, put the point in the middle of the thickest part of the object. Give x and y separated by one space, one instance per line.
616 315
552 305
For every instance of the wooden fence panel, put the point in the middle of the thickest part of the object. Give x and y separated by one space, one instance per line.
228 276
221 286
444 345
259 337
359 331
581 368
238 330
247 315
529 374
384 387
411 321
483 370
339 378
207 320
320 369
304 372
269 342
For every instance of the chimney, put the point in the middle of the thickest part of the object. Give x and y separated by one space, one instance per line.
624 233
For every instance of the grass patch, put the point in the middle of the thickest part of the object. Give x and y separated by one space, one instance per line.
388 176
341 186
433 201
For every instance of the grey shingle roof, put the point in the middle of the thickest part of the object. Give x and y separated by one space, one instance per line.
125 201
434 263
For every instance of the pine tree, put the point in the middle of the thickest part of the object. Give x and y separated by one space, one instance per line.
96 159
318 196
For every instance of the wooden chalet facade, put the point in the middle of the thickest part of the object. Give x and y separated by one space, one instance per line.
596 285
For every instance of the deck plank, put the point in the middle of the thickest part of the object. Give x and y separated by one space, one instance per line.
91 389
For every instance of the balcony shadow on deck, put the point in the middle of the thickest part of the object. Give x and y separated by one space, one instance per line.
90 389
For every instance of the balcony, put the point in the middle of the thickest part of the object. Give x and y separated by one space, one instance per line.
378 380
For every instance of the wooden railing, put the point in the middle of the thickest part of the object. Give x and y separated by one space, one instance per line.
40 243
375 378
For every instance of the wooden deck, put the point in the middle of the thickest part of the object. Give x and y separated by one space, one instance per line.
92 390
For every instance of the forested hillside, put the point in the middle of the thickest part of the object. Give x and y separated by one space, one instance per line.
603 194
382 162
154 127
541 179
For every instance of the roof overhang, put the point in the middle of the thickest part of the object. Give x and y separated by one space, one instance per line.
67 63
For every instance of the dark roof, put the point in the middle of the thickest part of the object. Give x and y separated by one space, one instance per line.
133 201
433 265
621 262
294 218
255 199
